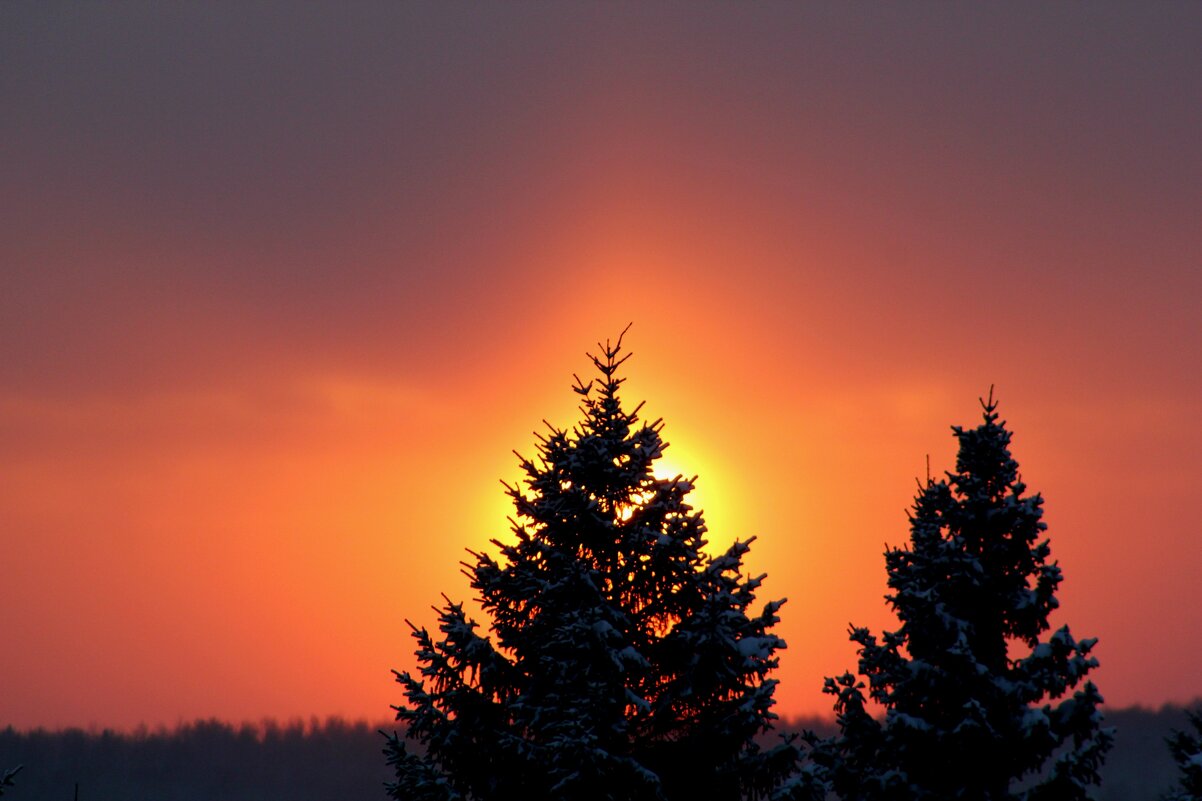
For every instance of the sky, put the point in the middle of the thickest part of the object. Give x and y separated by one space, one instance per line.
282 286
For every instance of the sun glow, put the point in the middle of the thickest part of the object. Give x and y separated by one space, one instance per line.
709 496
668 469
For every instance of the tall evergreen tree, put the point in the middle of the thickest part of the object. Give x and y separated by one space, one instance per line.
625 663
1186 748
969 681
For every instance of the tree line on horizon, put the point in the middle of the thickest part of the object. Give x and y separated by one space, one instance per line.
339 760
623 663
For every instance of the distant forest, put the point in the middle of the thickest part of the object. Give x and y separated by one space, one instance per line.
337 760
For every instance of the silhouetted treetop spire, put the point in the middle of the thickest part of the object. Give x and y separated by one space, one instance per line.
968 715
626 663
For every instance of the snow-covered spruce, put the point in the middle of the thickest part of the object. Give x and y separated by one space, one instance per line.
979 703
1186 748
623 663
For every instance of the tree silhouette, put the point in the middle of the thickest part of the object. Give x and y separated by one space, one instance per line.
1186 749
967 680
625 664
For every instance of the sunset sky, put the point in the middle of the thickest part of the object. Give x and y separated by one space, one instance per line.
282 285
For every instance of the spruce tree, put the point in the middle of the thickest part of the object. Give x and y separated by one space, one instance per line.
972 688
623 662
1186 749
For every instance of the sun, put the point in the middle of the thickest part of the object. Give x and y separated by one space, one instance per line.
701 497
666 468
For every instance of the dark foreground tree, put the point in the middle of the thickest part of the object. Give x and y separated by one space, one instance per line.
967 682
1186 749
624 663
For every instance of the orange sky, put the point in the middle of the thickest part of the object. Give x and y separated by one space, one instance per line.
281 290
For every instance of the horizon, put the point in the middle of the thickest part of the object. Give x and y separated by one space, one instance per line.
308 725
